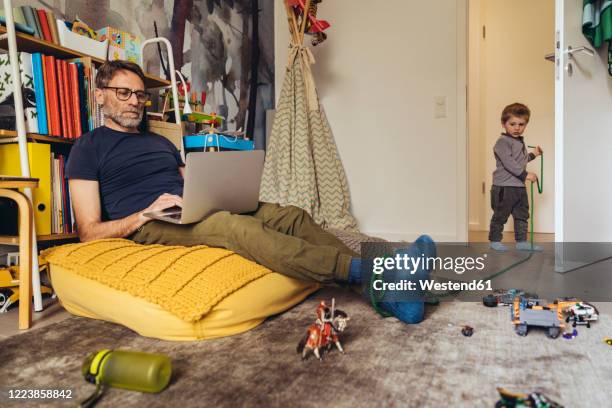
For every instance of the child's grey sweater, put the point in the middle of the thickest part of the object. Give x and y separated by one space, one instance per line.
511 159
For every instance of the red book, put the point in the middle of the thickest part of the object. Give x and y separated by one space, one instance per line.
68 107
45 81
53 109
44 25
61 79
75 101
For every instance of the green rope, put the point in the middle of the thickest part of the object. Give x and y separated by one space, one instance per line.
375 300
540 185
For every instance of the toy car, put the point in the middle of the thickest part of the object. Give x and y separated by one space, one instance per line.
581 313
519 400
527 312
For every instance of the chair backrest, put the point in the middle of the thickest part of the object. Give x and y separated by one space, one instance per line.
170 131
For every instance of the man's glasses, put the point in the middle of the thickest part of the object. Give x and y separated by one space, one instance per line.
123 94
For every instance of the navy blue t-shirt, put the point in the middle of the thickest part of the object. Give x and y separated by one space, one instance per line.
133 169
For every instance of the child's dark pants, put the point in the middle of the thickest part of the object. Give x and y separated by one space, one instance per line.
506 201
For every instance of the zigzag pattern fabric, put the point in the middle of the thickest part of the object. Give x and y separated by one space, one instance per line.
302 165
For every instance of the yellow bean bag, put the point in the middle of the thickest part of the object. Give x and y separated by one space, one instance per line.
169 292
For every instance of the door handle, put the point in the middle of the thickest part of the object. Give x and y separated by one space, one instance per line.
569 66
571 51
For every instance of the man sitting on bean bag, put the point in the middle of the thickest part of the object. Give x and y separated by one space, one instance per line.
117 173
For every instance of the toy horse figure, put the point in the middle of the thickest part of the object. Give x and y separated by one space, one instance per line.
324 332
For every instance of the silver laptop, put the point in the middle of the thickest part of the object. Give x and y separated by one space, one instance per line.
217 181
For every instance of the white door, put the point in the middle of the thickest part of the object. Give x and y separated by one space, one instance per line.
583 137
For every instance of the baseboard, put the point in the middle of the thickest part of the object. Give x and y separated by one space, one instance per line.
409 236
474 226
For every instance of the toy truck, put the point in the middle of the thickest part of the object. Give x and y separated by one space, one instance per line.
504 297
528 312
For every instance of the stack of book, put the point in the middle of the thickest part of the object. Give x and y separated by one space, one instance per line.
50 201
62 216
39 23
58 95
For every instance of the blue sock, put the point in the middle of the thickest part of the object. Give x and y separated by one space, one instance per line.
355 271
412 311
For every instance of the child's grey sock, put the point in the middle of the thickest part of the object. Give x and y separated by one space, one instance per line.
498 246
526 246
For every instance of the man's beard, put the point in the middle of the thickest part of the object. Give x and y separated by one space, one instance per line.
116 116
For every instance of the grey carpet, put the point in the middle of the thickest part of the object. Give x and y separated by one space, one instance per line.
386 363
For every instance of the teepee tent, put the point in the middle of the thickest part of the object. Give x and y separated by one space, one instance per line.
597 25
302 165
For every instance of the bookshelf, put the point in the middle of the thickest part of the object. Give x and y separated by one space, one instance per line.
35 137
32 44
15 42
12 240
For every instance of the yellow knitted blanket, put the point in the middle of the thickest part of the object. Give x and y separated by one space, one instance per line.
185 281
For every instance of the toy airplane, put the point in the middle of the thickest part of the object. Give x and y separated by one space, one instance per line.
316 26
199 117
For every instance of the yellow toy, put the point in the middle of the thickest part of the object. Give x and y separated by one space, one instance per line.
9 286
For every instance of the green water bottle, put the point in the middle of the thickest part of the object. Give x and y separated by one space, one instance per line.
130 370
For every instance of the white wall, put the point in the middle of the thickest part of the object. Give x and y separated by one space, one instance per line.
505 67
377 76
585 175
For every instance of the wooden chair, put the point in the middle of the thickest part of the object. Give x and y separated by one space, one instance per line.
7 186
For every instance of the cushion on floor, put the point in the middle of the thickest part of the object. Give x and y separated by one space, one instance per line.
169 292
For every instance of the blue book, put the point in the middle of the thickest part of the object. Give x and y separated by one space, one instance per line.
39 93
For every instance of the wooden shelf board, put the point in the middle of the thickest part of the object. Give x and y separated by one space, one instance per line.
11 240
32 44
37 137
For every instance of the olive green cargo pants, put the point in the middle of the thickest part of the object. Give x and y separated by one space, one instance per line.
284 239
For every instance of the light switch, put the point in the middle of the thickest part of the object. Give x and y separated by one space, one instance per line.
439 107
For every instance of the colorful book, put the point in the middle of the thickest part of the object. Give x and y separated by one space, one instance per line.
73 79
89 107
7 90
52 22
39 93
28 13
36 21
53 108
44 25
18 16
84 103
45 62
68 92
61 81
62 183
18 26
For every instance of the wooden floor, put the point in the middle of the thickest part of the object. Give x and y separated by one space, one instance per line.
52 312
483 236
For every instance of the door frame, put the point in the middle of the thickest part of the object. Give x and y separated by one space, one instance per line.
462 224
476 99
559 104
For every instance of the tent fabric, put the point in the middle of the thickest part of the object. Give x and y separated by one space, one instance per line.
597 25
303 167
